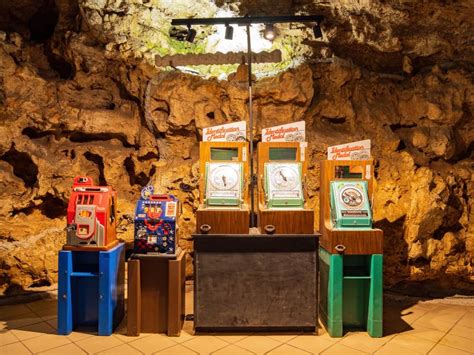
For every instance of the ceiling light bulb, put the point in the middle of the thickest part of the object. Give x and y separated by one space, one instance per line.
269 32
317 31
191 34
229 32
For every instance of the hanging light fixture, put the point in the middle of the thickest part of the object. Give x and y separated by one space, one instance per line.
191 34
317 31
269 32
229 31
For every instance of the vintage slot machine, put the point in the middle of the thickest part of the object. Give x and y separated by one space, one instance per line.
346 210
282 169
224 179
351 250
91 216
155 223
350 205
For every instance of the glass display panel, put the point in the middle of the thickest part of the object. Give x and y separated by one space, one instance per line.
219 154
276 154
345 172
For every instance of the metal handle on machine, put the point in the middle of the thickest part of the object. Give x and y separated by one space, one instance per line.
205 228
340 248
269 229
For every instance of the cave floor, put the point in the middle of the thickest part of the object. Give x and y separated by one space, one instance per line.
411 326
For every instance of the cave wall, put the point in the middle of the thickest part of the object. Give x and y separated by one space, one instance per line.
68 107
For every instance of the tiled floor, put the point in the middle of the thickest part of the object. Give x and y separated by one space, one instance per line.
430 327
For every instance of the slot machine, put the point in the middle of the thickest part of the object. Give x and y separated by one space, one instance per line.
350 205
91 216
224 175
281 204
155 223
346 209
351 250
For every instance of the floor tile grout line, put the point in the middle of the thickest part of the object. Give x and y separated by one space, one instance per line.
26 346
18 339
276 347
447 332
79 345
166 347
228 345
187 347
237 345
219 336
293 346
370 352
54 347
347 346
141 352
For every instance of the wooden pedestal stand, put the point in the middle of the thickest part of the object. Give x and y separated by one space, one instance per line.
156 293
298 221
223 220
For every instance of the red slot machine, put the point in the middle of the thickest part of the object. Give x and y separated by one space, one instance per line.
91 216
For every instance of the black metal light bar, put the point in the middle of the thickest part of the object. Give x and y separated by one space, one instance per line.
246 20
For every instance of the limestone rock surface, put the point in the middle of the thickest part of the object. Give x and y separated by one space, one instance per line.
68 106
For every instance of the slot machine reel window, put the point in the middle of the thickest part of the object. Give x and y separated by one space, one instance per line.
224 154
279 154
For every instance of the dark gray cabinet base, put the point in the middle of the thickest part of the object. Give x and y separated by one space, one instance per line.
255 282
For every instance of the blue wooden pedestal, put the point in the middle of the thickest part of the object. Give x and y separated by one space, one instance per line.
91 289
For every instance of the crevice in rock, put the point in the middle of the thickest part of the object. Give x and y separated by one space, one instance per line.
50 206
23 166
97 159
441 231
464 154
334 120
419 262
149 156
60 65
81 137
40 283
401 146
397 126
76 136
210 115
135 179
44 21
34 133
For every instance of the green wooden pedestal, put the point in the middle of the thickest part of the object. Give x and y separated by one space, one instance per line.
351 292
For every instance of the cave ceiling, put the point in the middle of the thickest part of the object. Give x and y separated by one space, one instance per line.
382 36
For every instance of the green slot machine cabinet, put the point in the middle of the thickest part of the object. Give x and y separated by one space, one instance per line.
351 250
223 188
282 170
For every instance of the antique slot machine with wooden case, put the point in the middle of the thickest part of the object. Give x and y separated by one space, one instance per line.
223 186
282 170
351 250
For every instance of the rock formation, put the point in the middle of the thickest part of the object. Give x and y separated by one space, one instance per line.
69 106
